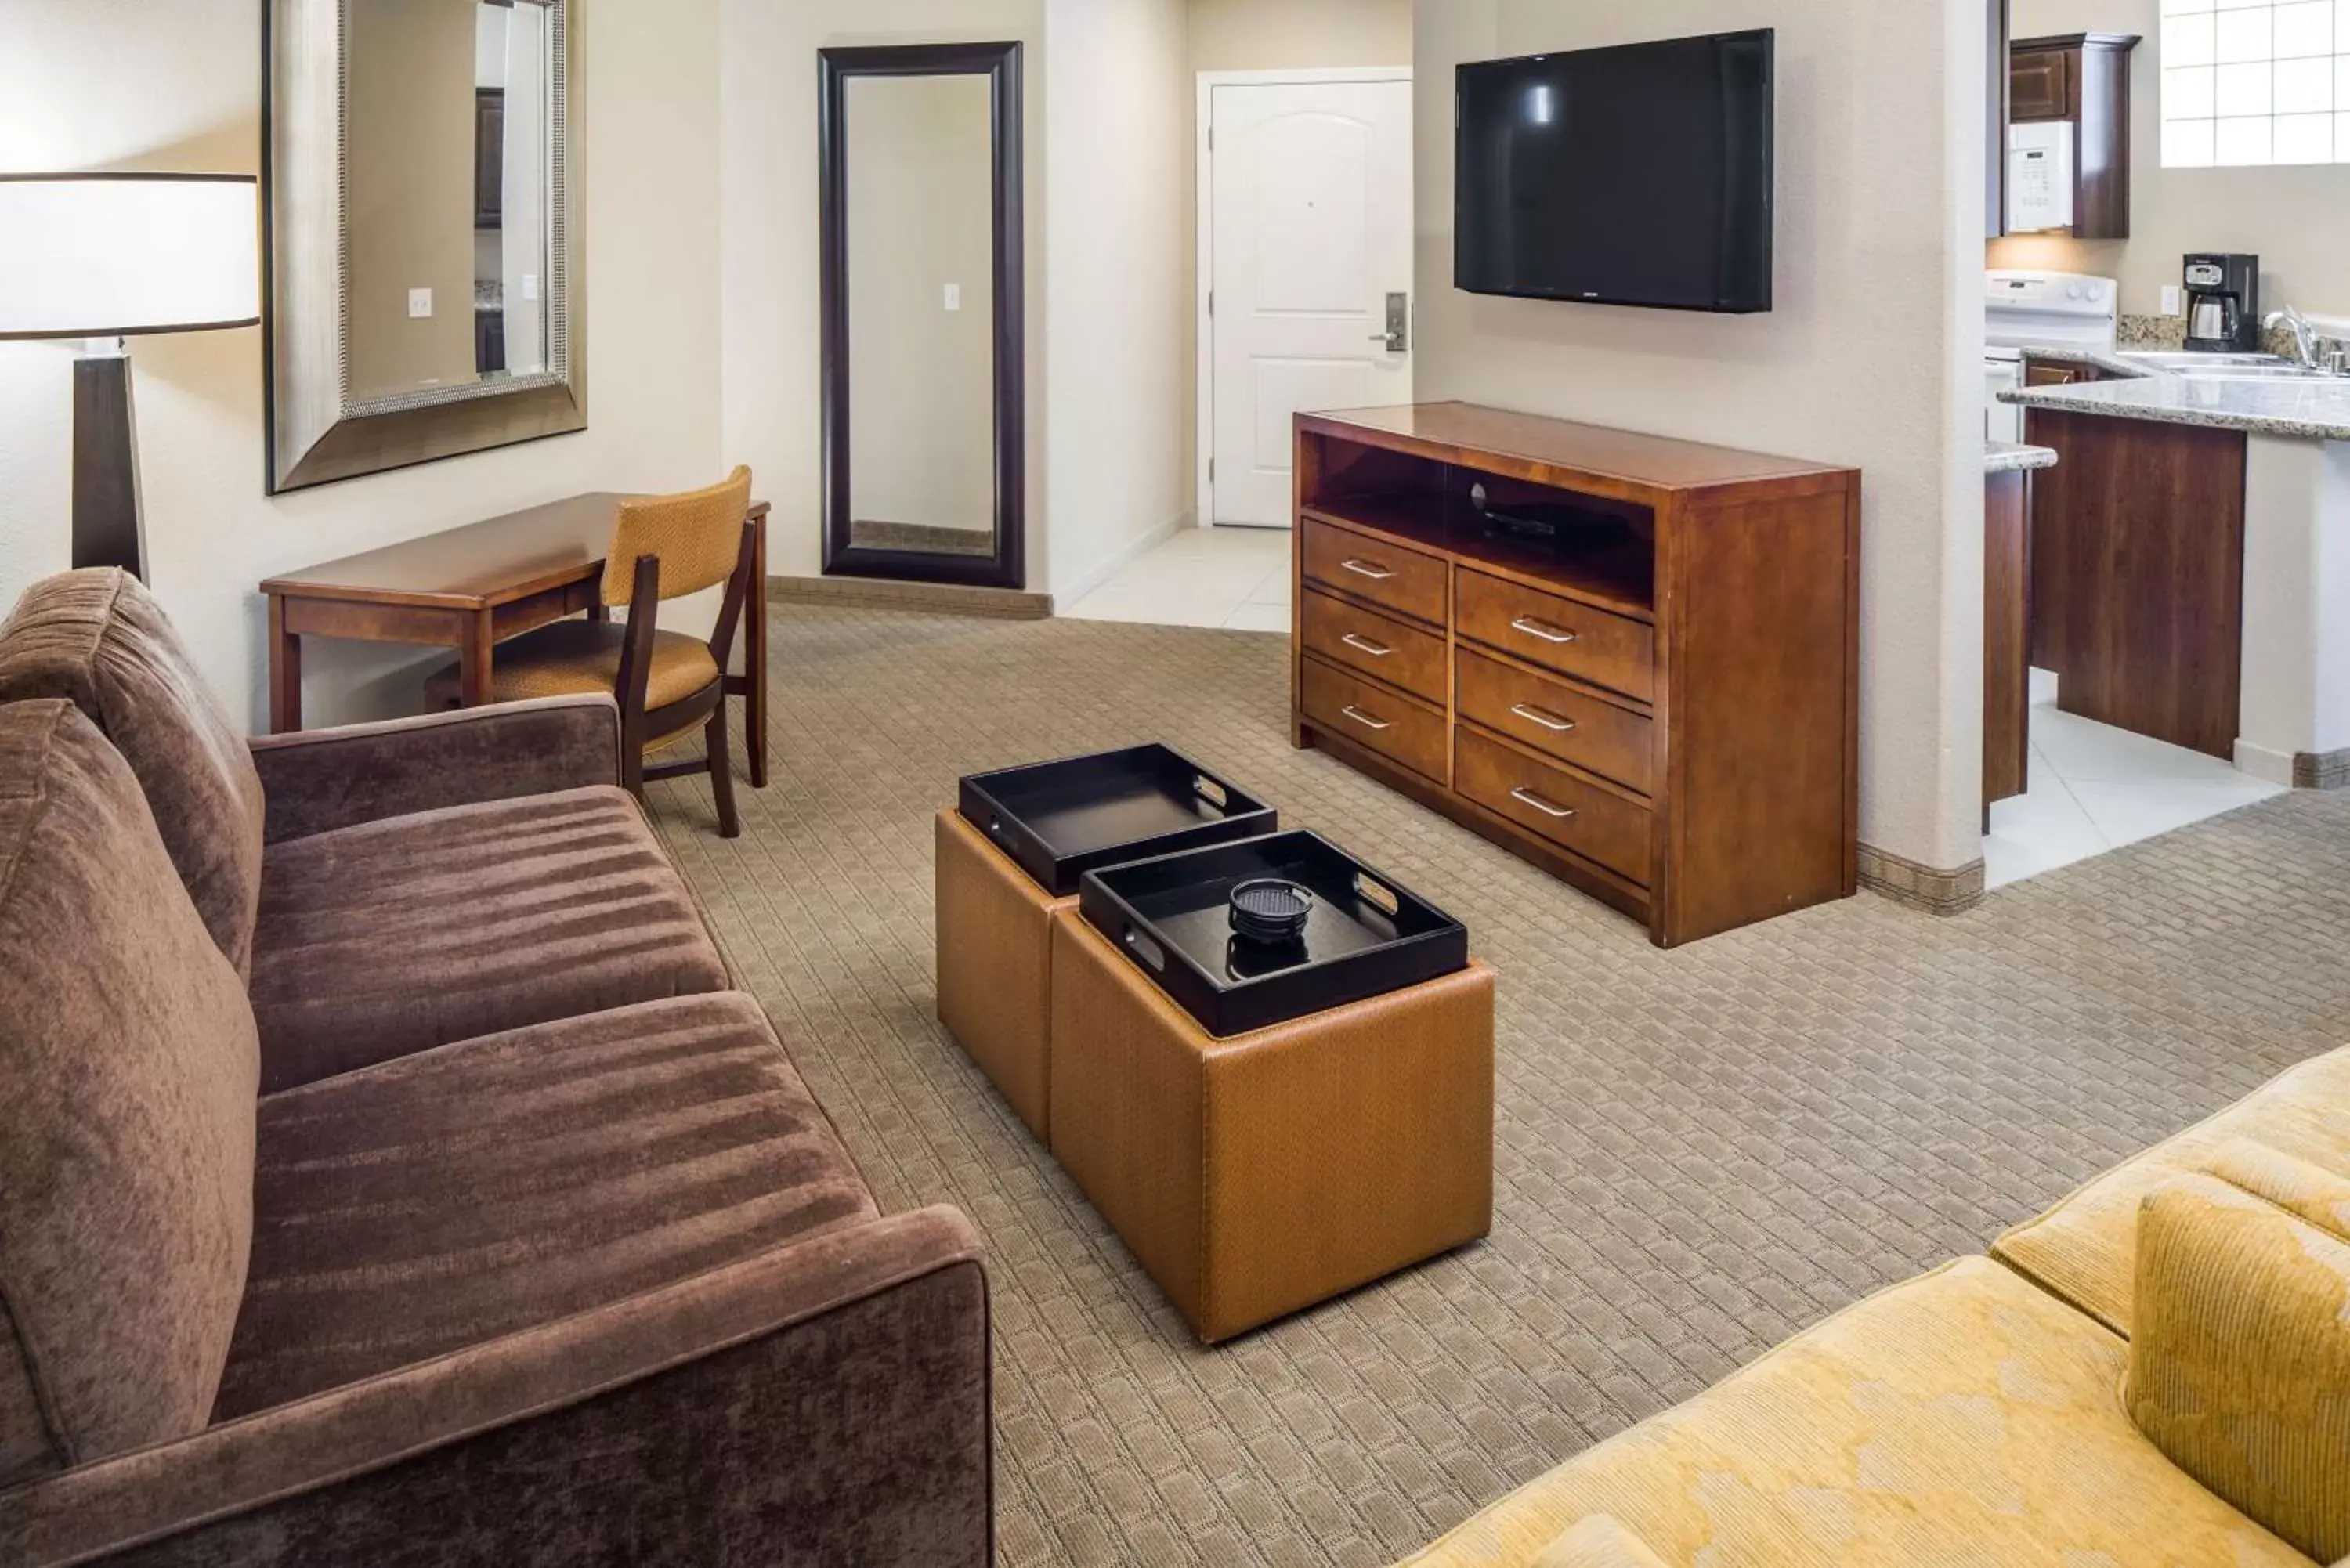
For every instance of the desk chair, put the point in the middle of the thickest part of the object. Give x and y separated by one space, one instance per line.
663 547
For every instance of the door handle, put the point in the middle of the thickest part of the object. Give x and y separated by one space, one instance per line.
1397 337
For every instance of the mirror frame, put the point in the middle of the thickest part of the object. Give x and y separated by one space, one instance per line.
1001 63
318 431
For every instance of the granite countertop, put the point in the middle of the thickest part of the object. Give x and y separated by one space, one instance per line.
2006 457
2292 407
2111 362
2306 410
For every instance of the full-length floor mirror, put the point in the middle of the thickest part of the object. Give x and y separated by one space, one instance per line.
924 383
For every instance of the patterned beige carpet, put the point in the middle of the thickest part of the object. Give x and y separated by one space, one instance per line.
1698 1153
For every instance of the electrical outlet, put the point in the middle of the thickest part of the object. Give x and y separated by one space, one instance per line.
954 296
420 304
2172 303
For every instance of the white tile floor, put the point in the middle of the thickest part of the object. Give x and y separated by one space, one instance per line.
1232 577
2096 788
2093 788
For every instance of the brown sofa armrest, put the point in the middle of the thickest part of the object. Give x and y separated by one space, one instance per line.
827 1402
320 780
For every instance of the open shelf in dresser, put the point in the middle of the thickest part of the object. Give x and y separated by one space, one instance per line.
1655 700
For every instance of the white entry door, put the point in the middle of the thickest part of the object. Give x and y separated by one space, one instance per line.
1312 233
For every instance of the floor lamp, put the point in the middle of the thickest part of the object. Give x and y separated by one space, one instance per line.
110 256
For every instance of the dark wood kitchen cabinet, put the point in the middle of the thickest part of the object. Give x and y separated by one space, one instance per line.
2137 541
2082 78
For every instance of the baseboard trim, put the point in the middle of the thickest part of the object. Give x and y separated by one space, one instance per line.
1929 888
935 599
2295 770
2320 769
1123 557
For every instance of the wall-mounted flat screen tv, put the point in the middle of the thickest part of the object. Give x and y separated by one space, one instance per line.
1634 175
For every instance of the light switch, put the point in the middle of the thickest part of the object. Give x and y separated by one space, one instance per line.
530 285
954 296
420 304
2171 303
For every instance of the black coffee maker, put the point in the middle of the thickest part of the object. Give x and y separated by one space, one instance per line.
2223 304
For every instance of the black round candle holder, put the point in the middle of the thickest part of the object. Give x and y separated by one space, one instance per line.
1270 911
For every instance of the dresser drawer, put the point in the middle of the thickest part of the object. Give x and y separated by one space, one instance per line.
1394 727
1568 724
1402 580
1555 804
1374 645
1574 639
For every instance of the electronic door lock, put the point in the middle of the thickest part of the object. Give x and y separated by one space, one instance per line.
1397 337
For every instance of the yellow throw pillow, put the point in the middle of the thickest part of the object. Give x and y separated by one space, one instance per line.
1597 1540
2240 1354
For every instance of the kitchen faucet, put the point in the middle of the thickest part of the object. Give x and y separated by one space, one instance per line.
2304 334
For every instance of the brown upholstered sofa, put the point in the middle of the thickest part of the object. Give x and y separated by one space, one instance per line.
386 1177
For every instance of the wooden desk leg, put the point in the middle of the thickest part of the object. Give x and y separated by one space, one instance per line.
474 686
284 673
754 737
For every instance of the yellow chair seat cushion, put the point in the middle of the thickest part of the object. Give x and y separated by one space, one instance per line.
575 657
1962 1418
2085 1248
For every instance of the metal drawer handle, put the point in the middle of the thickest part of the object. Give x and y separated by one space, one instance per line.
1370 569
1550 722
1365 645
1365 720
1528 797
1536 629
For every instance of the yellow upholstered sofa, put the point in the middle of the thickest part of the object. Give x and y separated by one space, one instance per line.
2155 1374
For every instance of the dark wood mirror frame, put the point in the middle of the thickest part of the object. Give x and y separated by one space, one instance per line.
1000 63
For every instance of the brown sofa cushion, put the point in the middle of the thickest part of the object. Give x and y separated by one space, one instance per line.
99 639
129 1067
397 936
443 1200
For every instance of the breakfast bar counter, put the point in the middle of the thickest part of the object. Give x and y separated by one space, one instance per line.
2191 562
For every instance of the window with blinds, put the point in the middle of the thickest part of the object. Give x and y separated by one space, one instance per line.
2249 82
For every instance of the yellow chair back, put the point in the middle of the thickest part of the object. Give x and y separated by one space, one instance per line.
697 537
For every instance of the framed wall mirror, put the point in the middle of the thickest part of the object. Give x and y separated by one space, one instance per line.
426 291
924 378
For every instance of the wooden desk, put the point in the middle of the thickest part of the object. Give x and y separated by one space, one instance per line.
472 587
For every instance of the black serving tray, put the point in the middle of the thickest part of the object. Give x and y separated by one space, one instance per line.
1060 820
1367 935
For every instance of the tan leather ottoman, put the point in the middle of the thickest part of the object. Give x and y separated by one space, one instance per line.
1256 1176
995 965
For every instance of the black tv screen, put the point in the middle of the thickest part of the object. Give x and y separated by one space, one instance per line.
1635 175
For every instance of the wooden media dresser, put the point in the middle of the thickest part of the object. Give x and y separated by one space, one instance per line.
1655 700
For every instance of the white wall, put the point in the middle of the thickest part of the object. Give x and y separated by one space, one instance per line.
1869 360
1120 323
103 84
1271 35
770 272
2297 221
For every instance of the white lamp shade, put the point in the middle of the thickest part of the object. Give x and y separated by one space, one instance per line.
112 255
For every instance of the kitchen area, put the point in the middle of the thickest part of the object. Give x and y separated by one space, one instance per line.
2168 477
